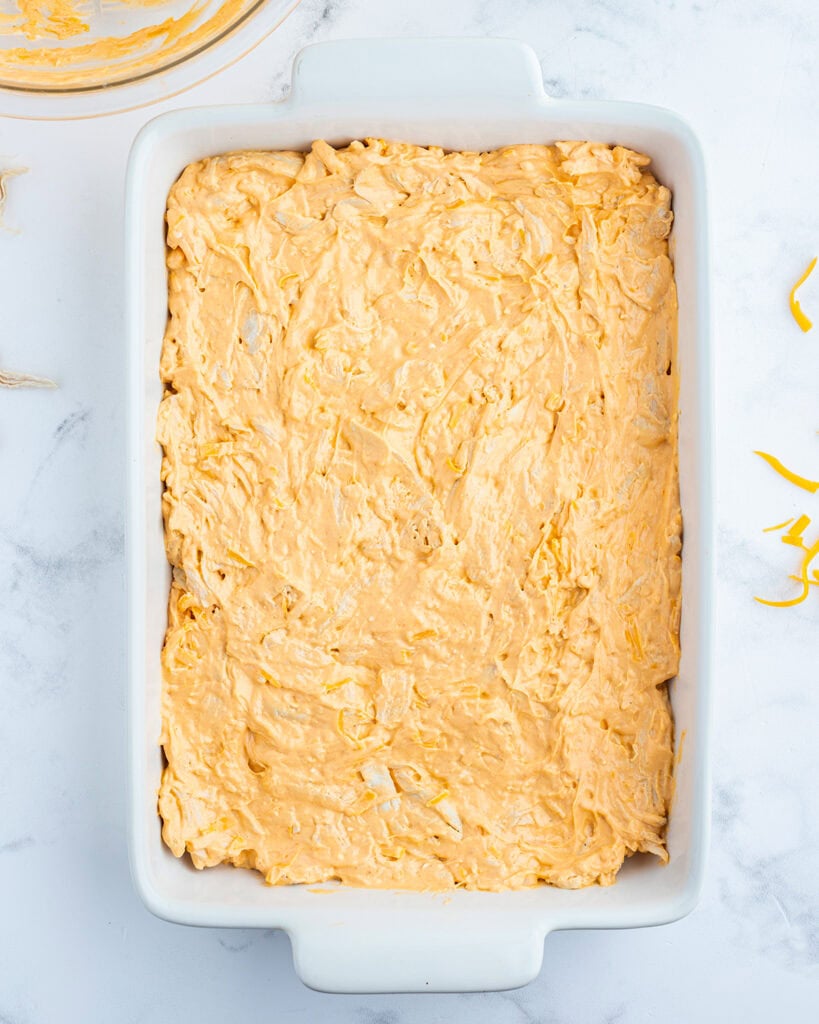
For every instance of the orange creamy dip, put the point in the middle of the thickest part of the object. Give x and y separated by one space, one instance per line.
94 60
422 510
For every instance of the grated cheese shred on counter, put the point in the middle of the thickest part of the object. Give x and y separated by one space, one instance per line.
804 322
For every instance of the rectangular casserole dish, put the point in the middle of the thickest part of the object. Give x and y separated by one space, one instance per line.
459 94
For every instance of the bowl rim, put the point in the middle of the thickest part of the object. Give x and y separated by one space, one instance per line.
161 82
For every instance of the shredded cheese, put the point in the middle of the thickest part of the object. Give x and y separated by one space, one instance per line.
794 535
778 526
796 309
240 559
794 478
804 579
329 687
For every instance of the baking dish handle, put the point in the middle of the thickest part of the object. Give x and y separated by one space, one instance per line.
334 74
420 959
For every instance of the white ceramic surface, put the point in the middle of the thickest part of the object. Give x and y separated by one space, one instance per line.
76 942
460 94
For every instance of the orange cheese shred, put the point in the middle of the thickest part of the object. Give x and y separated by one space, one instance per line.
778 526
796 309
794 478
804 579
795 533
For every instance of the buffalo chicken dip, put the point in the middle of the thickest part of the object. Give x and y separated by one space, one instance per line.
421 505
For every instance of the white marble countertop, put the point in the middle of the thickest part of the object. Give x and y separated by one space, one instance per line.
75 942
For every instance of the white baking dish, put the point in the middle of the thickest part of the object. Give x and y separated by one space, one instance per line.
461 94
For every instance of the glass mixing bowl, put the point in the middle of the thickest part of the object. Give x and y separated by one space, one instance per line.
78 58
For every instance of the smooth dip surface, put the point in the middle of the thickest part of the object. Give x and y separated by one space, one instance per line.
422 508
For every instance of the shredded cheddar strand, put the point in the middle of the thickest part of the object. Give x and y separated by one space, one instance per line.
804 322
329 687
778 526
800 481
635 643
795 533
810 554
237 557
